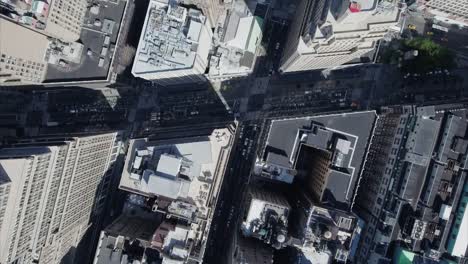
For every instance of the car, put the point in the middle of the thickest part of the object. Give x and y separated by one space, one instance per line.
412 27
430 33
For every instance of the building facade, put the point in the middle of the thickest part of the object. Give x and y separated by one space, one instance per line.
65 19
327 34
19 63
317 169
250 251
453 8
49 190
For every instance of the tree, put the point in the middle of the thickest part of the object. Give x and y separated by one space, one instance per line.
431 56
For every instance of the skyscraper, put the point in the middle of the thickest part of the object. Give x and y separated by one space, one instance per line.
49 189
326 34
174 45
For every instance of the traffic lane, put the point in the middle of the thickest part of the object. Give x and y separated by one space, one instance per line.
232 214
217 242
230 203
215 237
276 45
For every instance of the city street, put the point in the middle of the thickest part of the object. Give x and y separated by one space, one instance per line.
227 215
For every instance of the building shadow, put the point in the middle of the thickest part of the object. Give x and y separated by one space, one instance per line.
65 111
185 110
107 206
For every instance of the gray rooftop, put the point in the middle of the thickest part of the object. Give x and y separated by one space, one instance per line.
356 128
337 185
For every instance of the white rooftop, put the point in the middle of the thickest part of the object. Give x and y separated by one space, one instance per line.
169 39
155 184
316 257
263 201
186 170
237 41
175 243
168 166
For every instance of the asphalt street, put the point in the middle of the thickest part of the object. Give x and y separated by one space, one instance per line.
228 209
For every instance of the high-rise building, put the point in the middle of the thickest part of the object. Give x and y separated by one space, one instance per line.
266 217
49 189
323 153
19 61
66 18
174 45
317 164
324 234
326 33
455 9
181 179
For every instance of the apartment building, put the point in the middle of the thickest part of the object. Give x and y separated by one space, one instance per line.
49 189
327 34
455 9
19 62
415 179
266 217
65 19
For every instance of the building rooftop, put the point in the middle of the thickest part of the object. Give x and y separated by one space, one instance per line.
267 217
346 136
236 42
184 172
179 178
117 249
170 38
358 14
323 234
23 36
334 230
20 48
173 241
425 166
